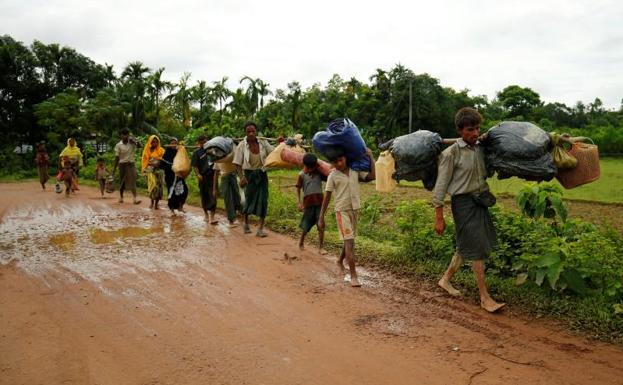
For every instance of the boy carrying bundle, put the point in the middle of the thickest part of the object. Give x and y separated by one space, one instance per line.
344 183
310 181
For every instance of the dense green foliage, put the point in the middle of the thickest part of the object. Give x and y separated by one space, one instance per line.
49 92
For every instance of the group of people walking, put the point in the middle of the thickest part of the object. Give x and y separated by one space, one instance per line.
461 173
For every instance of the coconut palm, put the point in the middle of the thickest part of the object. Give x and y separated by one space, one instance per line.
156 86
263 90
252 94
221 93
182 99
134 75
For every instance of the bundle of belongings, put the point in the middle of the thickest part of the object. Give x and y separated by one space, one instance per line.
276 159
181 162
519 149
415 156
220 149
342 136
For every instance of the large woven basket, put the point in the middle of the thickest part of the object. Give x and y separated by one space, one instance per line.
587 169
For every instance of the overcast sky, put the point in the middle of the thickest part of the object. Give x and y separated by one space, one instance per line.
565 50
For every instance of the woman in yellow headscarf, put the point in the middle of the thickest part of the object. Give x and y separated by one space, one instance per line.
73 154
150 165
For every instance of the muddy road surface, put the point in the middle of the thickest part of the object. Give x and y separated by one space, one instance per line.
97 292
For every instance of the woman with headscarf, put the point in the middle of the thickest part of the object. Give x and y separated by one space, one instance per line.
74 155
43 163
167 162
150 166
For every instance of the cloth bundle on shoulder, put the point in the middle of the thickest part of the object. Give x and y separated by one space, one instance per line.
343 135
293 157
519 149
219 147
416 156
181 162
275 158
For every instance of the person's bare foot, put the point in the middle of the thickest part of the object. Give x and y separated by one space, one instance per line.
213 220
447 286
261 234
120 200
490 305
156 207
231 225
301 246
151 205
247 229
354 282
340 266
137 202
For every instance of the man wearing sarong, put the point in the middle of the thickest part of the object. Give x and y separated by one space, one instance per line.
204 169
229 189
462 174
249 158
124 158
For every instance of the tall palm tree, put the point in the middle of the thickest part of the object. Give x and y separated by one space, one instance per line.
252 94
134 75
221 93
156 86
294 98
262 88
182 99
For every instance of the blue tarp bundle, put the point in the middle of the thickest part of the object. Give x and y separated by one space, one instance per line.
219 147
343 134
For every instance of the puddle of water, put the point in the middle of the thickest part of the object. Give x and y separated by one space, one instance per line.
101 236
64 242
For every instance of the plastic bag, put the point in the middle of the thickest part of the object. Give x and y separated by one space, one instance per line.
519 149
343 135
181 162
562 158
110 185
275 160
226 159
385 168
219 147
416 155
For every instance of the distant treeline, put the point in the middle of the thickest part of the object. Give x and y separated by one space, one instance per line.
49 92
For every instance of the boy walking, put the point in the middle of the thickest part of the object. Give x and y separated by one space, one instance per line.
344 183
101 174
68 176
310 181
462 174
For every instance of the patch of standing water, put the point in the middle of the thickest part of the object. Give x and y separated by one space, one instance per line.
101 243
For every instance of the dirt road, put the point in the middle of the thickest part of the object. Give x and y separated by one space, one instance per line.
97 292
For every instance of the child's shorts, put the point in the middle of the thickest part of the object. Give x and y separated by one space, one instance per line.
310 218
347 224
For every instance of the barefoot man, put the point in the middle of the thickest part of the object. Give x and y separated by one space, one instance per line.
462 174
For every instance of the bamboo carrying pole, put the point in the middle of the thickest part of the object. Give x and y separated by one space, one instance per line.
564 138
